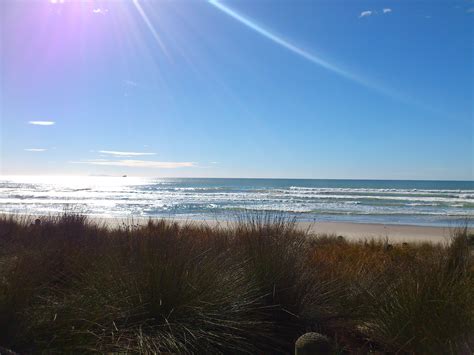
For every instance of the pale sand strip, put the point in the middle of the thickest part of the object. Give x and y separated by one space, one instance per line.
352 231
394 233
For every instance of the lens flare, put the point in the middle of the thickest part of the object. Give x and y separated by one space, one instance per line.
150 26
306 55
278 40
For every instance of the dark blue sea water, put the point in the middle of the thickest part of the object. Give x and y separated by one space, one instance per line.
441 203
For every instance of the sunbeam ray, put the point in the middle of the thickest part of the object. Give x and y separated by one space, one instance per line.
150 26
305 54
278 40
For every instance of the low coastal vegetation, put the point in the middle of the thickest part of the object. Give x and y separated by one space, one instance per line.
68 284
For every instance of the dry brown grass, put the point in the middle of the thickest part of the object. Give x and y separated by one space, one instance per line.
70 285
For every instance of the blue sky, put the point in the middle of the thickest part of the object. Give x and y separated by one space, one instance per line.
297 89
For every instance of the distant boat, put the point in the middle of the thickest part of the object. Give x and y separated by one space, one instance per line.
124 175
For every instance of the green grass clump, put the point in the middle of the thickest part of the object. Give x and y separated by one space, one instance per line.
72 285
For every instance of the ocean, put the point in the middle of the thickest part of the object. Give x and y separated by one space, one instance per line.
431 203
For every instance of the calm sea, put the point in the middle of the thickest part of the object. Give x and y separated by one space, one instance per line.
378 201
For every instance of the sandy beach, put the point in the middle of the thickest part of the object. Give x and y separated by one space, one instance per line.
394 233
353 231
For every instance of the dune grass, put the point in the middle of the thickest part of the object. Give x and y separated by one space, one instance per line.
71 285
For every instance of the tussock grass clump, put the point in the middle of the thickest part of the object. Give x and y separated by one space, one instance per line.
427 307
150 289
69 284
414 298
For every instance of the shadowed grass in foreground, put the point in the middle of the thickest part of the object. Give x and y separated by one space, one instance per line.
72 285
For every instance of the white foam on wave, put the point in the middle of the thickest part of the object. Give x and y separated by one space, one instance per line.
382 191
153 196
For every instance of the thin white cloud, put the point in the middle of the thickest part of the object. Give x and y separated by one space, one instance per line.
387 10
42 123
100 11
470 10
35 149
138 163
365 13
125 154
130 83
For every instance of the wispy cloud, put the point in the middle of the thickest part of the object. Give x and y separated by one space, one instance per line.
470 10
125 154
130 83
42 123
100 11
35 149
366 13
138 163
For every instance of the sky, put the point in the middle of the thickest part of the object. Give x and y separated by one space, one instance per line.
231 88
